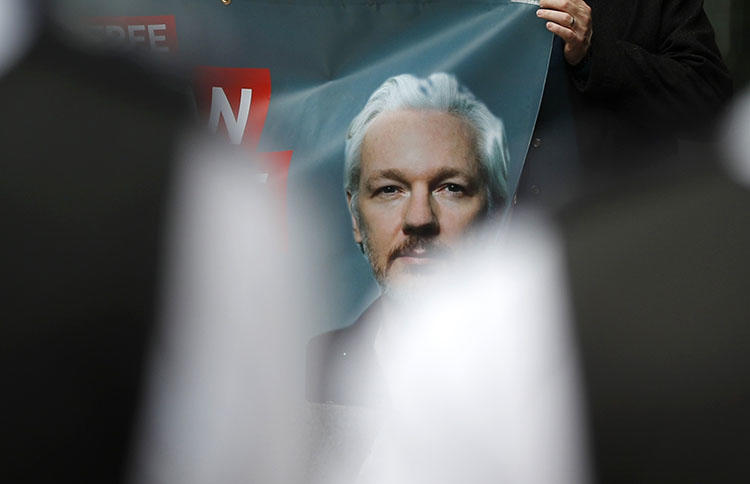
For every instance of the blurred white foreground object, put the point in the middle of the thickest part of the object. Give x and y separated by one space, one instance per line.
482 374
220 404
18 25
737 140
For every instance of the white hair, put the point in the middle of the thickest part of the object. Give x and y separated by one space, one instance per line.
439 92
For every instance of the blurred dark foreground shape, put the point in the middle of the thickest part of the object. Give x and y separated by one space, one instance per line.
659 270
87 148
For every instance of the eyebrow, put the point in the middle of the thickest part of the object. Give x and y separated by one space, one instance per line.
391 174
399 176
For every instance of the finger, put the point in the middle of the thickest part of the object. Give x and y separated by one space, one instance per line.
562 5
577 8
560 18
564 33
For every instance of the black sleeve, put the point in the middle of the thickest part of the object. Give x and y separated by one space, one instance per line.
681 77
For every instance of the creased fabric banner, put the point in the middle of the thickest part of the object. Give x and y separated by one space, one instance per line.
283 79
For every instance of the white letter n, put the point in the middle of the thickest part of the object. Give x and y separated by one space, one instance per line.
220 107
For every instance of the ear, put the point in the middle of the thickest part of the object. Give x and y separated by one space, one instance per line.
355 225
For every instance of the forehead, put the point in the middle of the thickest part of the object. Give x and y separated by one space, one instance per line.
419 142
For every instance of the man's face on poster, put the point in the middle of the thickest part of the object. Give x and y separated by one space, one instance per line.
420 189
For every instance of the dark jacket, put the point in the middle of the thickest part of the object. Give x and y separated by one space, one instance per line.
653 74
658 275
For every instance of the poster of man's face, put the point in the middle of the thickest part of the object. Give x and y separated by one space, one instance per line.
425 161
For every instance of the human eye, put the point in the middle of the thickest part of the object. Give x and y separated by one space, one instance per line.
386 190
452 189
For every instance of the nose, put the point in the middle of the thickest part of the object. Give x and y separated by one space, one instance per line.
420 217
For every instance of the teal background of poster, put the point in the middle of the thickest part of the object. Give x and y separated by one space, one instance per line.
325 59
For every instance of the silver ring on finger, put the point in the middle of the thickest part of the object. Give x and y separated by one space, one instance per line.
572 21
